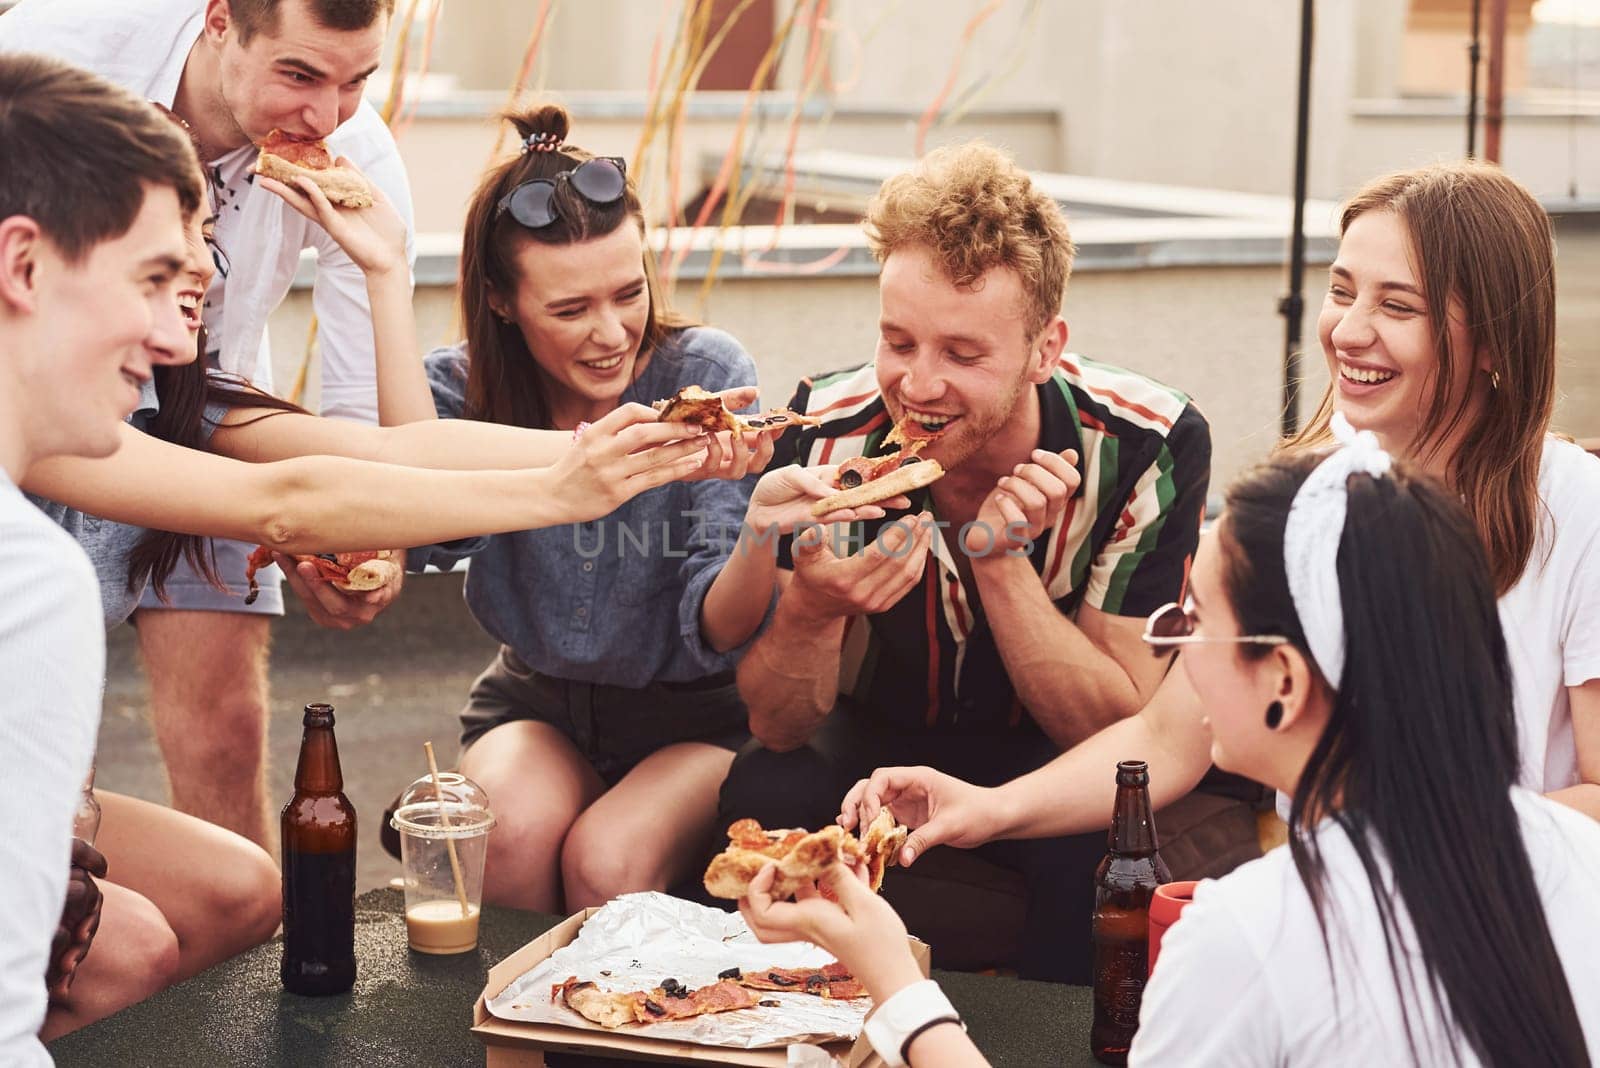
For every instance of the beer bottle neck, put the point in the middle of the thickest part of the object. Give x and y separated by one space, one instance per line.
1133 829
318 769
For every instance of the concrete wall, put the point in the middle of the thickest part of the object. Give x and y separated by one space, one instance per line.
1158 91
446 153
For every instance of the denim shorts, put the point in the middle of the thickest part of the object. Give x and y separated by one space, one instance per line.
614 727
188 589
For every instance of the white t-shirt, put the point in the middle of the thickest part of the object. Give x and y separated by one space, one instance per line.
142 45
1551 618
52 661
1244 980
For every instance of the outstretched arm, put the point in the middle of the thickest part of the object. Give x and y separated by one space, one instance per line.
329 503
1072 794
259 435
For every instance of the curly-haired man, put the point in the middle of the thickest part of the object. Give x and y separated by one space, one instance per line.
1000 622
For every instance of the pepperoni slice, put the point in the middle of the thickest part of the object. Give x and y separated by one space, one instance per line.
312 155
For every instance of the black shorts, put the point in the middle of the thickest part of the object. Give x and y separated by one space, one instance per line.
614 727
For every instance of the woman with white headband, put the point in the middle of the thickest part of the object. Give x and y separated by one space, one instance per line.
1344 643
1439 335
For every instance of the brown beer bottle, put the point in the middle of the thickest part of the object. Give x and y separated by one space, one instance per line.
319 867
1124 883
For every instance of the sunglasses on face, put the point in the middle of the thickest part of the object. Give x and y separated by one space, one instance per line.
600 181
1173 625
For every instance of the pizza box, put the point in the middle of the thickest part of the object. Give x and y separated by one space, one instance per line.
515 1044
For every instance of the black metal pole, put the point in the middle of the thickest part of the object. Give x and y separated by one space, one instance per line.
1292 307
1474 53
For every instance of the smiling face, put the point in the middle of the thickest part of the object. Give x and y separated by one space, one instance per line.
957 358
298 76
102 324
582 309
194 278
1378 340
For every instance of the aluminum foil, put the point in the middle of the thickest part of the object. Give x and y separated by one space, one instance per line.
637 940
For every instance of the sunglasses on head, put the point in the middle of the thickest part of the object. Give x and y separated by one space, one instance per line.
1173 625
600 181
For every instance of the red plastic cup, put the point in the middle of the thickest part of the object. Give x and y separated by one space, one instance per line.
1166 906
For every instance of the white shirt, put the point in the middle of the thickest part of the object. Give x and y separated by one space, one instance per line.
142 45
52 661
1551 617
1243 978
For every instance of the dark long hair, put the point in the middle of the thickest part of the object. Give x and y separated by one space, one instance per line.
183 393
503 384
1420 750
1481 238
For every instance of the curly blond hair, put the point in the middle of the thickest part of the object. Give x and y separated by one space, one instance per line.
975 209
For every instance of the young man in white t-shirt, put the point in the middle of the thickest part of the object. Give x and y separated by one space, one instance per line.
235 70
94 191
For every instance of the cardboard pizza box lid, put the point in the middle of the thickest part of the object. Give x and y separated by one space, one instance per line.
514 1044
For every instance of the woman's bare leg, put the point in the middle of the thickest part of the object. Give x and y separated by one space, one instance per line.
646 833
537 783
134 954
219 892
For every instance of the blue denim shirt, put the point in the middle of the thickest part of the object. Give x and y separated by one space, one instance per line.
616 600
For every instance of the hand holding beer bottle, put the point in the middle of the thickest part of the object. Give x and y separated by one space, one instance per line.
319 867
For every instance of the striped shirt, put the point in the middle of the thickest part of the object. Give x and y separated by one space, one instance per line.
1123 544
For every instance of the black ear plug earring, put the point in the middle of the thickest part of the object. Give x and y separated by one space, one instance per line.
1274 715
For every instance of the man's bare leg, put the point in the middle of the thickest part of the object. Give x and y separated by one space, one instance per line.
208 706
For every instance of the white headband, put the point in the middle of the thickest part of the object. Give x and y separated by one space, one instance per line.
1311 542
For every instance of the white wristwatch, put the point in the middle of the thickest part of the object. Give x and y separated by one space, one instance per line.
907 1014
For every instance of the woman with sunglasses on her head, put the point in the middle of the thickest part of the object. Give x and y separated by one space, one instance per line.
1438 330
1344 644
607 722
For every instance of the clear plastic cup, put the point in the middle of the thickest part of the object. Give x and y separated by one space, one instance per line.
441 846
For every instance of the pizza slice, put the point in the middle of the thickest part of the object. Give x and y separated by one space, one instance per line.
802 856
869 479
284 158
354 572
697 407
669 1001
881 844
832 981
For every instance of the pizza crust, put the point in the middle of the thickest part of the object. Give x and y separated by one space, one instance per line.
341 185
372 575
881 845
900 480
597 1006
